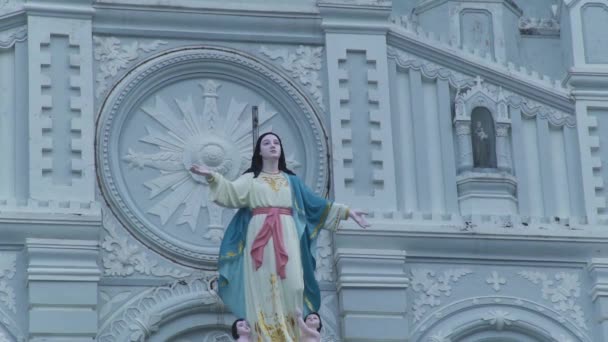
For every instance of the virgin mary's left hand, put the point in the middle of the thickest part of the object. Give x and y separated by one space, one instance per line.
359 217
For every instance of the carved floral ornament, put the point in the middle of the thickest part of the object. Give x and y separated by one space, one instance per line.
9 329
437 317
192 106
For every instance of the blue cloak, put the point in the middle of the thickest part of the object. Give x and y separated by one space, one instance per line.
309 213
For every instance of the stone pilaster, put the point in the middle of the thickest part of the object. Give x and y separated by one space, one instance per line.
372 288
62 279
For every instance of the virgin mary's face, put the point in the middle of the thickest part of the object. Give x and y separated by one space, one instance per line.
270 147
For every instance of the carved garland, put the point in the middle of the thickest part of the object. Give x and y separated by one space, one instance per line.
141 316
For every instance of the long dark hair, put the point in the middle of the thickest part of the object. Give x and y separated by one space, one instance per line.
257 162
319 316
235 334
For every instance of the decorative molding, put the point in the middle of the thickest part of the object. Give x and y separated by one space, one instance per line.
530 108
562 293
10 37
496 281
325 261
180 64
8 6
108 302
304 65
122 258
9 328
429 69
112 57
142 315
370 3
499 319
8 263
406 35
539 26
440 336
430 287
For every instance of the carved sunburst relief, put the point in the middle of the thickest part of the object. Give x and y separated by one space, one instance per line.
222 143
194 106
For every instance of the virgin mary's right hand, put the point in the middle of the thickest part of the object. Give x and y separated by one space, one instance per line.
200 170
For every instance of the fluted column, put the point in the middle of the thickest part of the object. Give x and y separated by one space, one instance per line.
503 152
465 148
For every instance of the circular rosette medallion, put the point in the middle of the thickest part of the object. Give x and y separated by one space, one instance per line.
195 106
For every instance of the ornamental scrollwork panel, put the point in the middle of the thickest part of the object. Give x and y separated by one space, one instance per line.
112 57
303 65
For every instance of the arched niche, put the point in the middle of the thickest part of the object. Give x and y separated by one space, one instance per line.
483 139
482 128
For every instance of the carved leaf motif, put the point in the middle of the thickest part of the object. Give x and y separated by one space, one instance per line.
125 259
431 287
112 57
562 293
304 65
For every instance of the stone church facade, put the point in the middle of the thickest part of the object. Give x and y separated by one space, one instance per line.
473 131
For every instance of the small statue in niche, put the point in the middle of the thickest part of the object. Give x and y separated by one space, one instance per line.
484 153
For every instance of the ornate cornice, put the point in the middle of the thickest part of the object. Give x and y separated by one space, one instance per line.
10 37
143 314
458 80
409 37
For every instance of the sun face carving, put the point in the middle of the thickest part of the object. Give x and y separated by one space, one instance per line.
193 135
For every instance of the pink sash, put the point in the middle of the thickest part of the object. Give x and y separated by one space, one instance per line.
272 228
